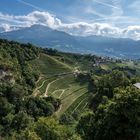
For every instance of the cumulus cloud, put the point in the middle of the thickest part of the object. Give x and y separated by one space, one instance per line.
11 22
36 17
86 29
43 18
5 27
132 32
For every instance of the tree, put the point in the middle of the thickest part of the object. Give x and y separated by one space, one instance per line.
86 127
66 119
25 135
50 129
5 107
6 122
21 121
116 119
106 85
37 107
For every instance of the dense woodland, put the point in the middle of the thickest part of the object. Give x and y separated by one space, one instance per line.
113 105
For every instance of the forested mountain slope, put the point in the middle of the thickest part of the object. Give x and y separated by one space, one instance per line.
50 95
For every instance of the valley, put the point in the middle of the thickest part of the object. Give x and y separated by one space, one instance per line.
51 95
58 79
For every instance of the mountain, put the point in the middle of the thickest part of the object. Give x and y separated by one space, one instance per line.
46 37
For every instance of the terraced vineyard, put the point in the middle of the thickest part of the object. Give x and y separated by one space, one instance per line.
71 93
79 105
57 80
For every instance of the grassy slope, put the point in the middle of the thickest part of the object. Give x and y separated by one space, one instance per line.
49 65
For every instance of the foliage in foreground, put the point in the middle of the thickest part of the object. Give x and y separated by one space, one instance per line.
115 119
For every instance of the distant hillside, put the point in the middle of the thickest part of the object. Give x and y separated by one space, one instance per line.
46 37
114 47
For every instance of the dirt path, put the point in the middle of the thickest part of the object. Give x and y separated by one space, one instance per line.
62 93
42 84
36 90
40 77
48 86
56 91
63 90
46 92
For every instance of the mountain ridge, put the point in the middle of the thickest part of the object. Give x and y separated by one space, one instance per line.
44 36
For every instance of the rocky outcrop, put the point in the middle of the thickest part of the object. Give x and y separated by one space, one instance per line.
6 76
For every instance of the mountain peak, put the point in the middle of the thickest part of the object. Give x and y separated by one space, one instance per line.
40 27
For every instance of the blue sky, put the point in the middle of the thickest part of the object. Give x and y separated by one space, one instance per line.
78 10
118 14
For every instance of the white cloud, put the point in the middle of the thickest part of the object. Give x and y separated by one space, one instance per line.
5 27
36 17
11 22
132 32
85 29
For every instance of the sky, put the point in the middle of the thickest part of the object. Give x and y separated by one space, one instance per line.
118 18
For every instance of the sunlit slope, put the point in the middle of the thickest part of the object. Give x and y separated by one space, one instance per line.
48 65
